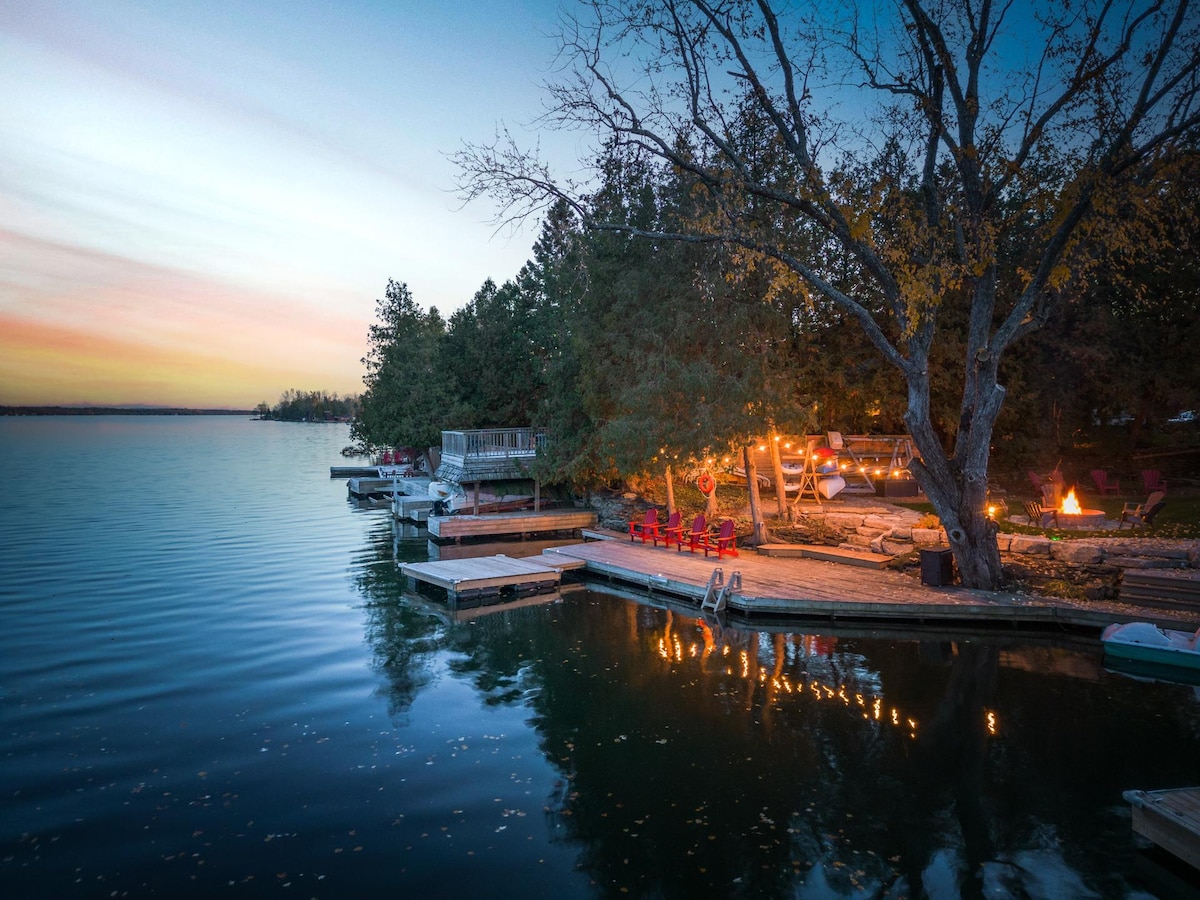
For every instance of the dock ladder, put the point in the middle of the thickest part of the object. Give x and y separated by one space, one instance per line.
716 593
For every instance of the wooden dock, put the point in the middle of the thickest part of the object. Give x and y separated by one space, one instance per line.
505 547
411 509
494 524
485 576
354 471
773 587
1169 819
363 487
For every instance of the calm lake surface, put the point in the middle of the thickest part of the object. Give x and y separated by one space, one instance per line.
212 683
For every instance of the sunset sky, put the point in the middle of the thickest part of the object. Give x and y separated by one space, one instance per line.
201 202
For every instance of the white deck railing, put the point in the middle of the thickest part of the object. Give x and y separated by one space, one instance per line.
462 447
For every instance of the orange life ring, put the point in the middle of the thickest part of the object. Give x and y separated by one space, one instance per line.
705 483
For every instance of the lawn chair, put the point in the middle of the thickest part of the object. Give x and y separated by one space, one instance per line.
1103 485
669 532
1039 516
696 537
1138 514
723 543
1152 481
646 528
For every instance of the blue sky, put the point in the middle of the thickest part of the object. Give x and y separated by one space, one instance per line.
202 201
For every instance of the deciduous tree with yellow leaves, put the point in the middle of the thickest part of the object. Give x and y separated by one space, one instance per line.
957 154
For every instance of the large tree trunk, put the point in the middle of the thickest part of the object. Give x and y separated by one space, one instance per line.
756 517
777 472
957 485
670 492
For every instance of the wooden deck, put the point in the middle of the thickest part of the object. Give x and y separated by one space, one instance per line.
815 589
458 527
489 454
1170 819
484 575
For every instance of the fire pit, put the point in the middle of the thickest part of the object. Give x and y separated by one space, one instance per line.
1072 515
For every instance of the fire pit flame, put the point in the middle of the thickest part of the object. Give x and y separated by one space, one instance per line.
1070 506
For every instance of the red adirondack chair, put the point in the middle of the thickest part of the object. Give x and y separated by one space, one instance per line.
723 543
1103 485
670 532
1153 481
696 537
646 527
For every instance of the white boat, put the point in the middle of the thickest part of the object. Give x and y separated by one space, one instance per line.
831 486
1144 643
442 490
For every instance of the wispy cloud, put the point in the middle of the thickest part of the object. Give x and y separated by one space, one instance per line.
218 192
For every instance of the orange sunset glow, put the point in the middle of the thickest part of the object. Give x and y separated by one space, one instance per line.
211 226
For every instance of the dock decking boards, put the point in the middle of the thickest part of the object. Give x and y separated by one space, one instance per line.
1170 819
484 575
809 588
462 526
354 471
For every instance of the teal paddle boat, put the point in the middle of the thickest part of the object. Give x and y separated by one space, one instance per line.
1151 646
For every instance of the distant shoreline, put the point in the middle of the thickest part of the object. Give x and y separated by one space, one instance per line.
119 411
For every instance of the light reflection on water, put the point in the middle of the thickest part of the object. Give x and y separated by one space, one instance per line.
212 680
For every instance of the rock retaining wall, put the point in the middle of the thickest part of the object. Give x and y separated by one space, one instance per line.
895 532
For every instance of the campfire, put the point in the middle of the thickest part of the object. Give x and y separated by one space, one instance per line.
1070 506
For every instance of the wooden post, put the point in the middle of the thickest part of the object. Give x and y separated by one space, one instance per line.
537 495
777 467
670 492
755 502
476 493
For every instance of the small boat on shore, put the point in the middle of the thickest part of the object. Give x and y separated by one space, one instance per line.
1149 645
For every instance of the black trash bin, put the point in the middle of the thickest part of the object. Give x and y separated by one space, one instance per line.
937 567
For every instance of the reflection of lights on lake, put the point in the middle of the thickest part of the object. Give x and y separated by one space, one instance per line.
799 684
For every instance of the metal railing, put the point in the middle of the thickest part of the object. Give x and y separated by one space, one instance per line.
492 443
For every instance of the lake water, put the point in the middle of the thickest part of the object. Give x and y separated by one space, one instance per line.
213 684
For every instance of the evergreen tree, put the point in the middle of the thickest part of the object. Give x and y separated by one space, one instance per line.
410 397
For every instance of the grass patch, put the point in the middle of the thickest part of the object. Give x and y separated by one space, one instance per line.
1180 518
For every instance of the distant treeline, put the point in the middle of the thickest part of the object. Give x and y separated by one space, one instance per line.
117 411
311 406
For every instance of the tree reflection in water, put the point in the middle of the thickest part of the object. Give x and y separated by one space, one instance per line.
701 759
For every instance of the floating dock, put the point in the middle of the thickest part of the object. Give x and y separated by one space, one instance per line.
489 575
515 523
354 471
1169 819
407 508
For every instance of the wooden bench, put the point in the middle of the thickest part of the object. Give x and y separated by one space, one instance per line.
862 558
